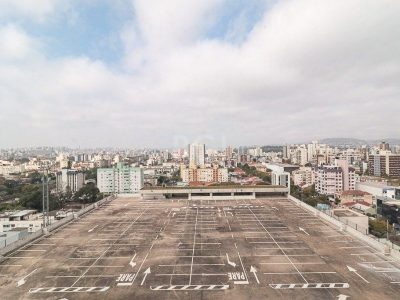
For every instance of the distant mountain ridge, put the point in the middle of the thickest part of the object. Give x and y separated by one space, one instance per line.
357 142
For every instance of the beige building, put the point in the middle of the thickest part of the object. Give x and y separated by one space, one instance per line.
201 174
355 196
303 177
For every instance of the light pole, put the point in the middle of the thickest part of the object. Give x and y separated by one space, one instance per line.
43 210
387 229
47 194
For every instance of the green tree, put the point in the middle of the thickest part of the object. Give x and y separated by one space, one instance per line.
91 174
35 177
88 194
31 197
378 227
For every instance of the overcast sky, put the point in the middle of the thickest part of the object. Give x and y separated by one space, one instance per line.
163 73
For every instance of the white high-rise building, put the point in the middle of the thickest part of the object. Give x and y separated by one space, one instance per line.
69 180
301 156
120 179
280 178
197 154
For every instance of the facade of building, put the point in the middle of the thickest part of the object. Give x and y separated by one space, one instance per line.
384 164
378 189
27 220
228 152
384 146
355 196
330 179
215 174
280 178
197 154
7 169
120 179
69 180
304 176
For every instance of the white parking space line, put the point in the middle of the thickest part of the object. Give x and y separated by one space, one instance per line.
283 251
105 251
294 273
288 263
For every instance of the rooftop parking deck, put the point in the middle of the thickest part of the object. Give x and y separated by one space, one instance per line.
131 248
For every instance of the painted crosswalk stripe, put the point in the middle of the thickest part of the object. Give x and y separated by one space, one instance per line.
80 289
188 287
309 285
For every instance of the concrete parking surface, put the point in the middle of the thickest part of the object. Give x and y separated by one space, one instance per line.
132 248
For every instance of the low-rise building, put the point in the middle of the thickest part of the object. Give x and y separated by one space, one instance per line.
278 167
378 189
24 219
355 196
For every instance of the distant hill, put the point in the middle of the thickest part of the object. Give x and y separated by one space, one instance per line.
357 142
344 141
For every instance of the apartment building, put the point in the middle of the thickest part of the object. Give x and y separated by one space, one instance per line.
215 174
120 179
385 163
303 177
69 180
333 179
197 154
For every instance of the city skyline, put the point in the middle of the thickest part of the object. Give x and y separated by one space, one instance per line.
131 73
329 141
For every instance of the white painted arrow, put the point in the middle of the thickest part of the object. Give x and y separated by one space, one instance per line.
254 271
90 230
342 297
22 280
302 229
147 272
230 262
173 215
355 272
132 263
273 207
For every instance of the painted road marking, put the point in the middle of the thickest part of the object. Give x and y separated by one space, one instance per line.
69 289
132 263
125 279
355 272
310 286
90 230
188 287
342 297
230 262
22 280
147 272
302 229
254 271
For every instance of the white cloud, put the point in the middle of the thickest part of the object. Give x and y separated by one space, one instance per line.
309 69
15 44
35 9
